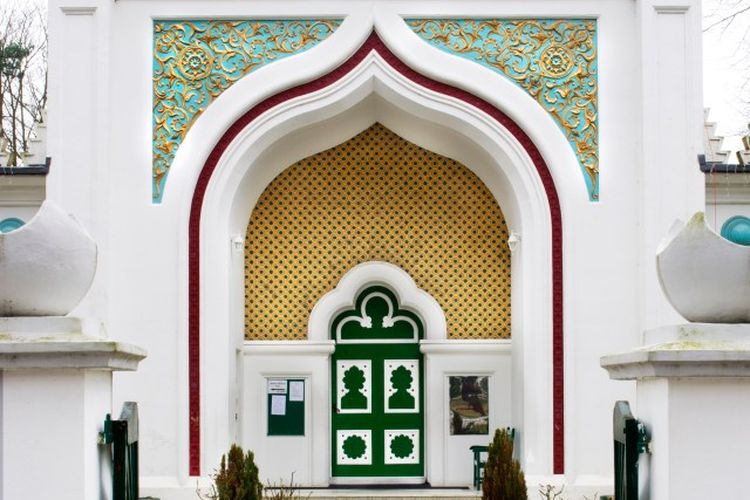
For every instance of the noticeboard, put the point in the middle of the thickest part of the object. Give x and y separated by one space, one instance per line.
285 406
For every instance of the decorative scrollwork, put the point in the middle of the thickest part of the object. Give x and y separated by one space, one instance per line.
555 61
195 61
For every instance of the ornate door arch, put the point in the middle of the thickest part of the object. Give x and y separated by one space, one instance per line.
377 391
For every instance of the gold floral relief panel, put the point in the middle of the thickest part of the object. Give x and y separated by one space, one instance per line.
377 197
195 61
554 60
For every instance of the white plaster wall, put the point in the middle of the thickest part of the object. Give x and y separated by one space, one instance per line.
448 458
727 195
100 141
54 413
23 213
21 196
717 215
280 456
699 433
653 410
721 407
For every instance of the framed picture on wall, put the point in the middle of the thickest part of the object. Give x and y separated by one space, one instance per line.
469 404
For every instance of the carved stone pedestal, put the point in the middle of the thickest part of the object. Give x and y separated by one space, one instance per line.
55 390
693 395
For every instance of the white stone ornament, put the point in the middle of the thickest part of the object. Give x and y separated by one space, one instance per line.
46 266
705 277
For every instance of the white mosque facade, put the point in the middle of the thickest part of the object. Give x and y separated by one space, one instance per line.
358 236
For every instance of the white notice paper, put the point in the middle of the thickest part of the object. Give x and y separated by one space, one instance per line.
296 391
276 386
278 404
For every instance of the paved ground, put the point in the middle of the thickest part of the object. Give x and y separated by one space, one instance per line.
382 494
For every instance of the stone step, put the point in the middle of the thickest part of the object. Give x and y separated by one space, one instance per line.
383 494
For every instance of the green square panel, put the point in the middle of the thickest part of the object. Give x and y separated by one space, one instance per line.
285 409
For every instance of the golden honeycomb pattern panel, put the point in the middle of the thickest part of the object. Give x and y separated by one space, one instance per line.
377 197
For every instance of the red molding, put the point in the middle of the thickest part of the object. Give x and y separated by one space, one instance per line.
374 43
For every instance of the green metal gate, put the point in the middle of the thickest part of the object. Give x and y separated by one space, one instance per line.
377 390
122 434
631 440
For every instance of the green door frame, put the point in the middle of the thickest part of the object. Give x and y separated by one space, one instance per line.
377 390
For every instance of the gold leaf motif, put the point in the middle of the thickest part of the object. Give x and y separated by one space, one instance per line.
195 61
554 61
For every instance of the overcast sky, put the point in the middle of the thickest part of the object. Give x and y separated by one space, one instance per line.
726 69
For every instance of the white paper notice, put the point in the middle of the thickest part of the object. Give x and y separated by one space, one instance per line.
276 386
296 391
278 404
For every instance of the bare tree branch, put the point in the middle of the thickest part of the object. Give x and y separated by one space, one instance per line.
728 18
727 28
23 72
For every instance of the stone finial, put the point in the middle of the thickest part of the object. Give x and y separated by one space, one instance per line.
46 266
37 153
3 150
744 156
712 143
705 277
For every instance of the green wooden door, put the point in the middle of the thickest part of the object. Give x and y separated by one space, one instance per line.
377 369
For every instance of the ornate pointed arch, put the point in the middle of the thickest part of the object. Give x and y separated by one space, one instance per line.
374 44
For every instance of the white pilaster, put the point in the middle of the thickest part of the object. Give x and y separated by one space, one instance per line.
671 183
78 128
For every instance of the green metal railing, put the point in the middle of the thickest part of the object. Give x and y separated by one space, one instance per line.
631 439
122 434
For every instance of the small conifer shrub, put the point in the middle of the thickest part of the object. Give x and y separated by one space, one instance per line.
237 477
503 477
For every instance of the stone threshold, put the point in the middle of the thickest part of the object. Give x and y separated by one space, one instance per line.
396 493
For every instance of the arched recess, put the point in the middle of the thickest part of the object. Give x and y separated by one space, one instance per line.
377 197
374 85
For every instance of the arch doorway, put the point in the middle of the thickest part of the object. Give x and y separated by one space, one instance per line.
378 201
373 86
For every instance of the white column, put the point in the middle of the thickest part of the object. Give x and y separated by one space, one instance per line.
79 125
72 181
671 122
48 433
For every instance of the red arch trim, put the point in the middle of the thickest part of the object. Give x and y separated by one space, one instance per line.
373 43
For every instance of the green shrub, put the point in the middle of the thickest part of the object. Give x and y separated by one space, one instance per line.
503 477
237 477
